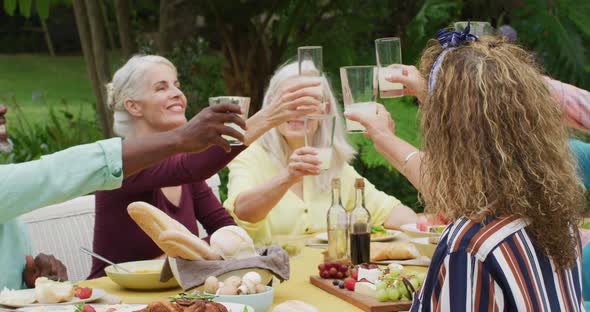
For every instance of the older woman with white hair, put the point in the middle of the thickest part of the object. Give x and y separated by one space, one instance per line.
146 99
267 192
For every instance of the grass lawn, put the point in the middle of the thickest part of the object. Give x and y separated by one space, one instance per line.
36 82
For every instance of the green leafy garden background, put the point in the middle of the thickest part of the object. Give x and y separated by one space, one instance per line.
557 32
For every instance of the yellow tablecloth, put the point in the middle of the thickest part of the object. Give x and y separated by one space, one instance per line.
296 288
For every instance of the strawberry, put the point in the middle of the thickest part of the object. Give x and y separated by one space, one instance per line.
88 308
349 284
354 274
422 226
83 292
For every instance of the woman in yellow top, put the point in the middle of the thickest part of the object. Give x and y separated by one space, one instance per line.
276 188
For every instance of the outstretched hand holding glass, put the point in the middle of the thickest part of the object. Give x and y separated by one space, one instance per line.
388 51
359 93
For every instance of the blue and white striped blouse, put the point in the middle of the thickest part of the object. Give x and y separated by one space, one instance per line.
495 267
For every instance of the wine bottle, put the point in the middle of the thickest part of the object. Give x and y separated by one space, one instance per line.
360 227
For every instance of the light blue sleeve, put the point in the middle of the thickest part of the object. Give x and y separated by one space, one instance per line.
58 177
586 274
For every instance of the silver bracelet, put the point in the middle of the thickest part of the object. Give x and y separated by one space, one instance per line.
410 155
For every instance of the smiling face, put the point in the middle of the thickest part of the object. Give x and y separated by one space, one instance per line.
163 105
293 130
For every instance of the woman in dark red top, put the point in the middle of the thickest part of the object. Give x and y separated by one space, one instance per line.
146 98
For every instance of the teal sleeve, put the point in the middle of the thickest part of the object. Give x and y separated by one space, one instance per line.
582 152
59 177
586 272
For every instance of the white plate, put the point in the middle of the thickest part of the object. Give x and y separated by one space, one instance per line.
97 307
412 230
237 307
391 235
97 293
420 261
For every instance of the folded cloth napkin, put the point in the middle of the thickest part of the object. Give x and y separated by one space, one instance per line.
194 273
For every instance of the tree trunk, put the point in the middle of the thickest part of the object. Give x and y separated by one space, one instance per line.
48 40
249 64
124 25
105 18
91 57
164 40
101 60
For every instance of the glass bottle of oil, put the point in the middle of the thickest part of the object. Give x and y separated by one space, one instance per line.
337 226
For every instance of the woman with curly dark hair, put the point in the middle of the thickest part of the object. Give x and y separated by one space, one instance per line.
496 161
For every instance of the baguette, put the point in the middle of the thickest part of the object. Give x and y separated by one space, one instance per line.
393 251
189 247
180 242
152 220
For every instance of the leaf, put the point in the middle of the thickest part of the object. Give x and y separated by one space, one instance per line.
10 6
80 307
556 35
42 7
24 7
578 13
433 14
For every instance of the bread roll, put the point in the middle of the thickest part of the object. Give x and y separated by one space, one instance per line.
186 246
48 291
232 242
393 251
170 235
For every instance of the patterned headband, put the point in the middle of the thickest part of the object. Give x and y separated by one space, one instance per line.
449 40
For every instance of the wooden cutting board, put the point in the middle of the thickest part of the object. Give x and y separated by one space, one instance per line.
364 302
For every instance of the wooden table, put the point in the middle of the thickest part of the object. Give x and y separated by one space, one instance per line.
296 288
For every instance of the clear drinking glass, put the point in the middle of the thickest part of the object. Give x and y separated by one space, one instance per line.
311 68
388 51
292 244
477 28
244 103
359 93
319 134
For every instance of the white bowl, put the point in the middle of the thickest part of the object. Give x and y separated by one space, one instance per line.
145 275
260 302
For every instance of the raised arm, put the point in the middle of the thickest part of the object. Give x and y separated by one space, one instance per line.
201 132
574 102
253 203
101 166
180 169
293 102
406 158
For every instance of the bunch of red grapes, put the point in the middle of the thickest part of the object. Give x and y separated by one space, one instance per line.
335 270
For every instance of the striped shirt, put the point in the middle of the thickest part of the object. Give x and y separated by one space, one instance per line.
495 267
